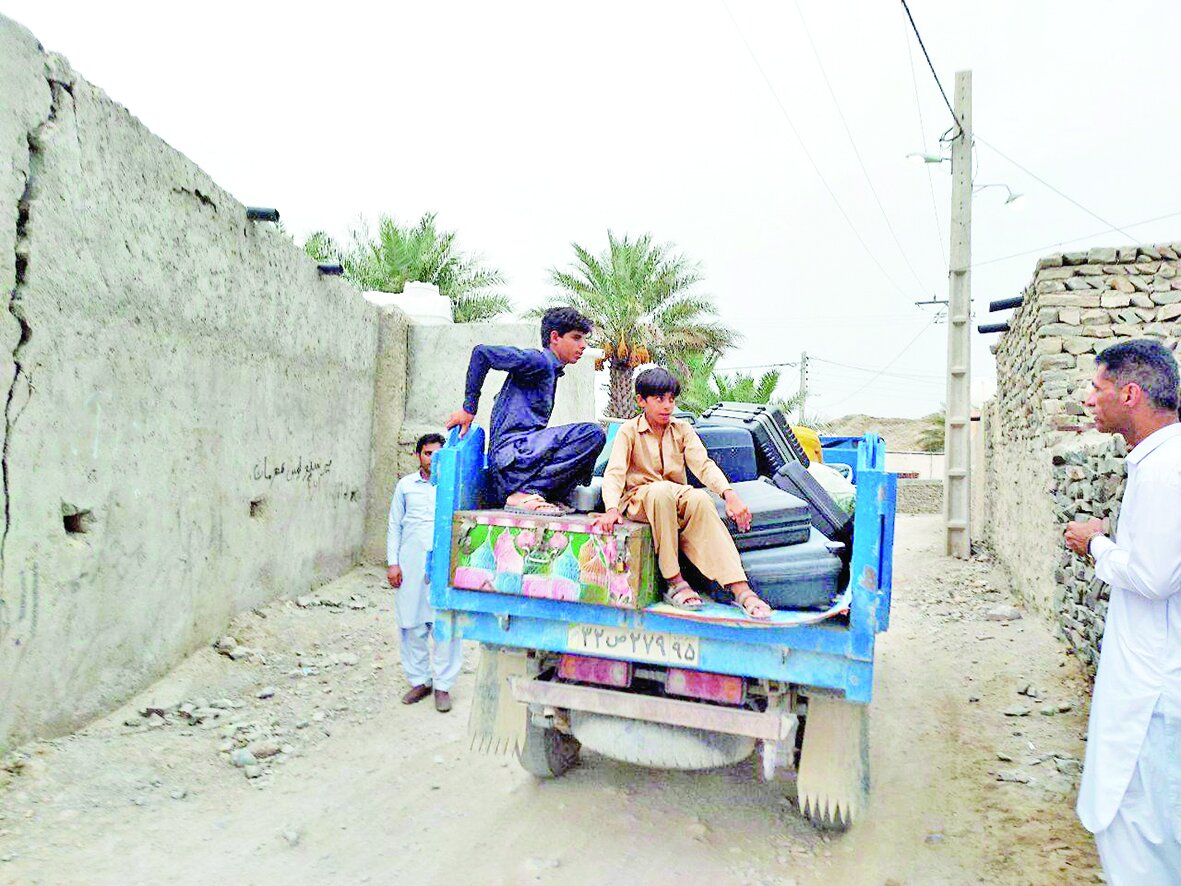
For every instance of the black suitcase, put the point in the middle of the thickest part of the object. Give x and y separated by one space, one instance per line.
778 418
803 576
827 516
732 450
777 444
777 518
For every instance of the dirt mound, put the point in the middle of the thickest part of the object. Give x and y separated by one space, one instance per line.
900 434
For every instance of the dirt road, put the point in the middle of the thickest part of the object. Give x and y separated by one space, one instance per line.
346 785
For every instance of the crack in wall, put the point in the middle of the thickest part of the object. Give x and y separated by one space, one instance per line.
204 199
15 307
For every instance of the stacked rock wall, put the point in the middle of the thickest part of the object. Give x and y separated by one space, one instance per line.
1044 466
1088 481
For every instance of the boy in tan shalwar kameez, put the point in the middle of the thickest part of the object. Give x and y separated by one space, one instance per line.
646 480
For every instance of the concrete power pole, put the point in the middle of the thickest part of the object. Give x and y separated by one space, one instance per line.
803 383
957 462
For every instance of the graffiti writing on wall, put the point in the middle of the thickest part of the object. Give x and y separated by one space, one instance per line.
308 471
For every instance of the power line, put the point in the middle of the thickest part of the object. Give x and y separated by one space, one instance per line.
918 106
853 144
931 65
894 360
852 380
1066 197
914 375
1147 221
807 153
755 366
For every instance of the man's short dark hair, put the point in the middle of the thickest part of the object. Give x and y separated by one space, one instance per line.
656 382
426 440
1148 364
561 321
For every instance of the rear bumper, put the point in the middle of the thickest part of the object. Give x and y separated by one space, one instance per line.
814 655
770 726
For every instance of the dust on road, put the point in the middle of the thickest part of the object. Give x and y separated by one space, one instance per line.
976 736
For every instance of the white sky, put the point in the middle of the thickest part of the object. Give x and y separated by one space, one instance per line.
530 125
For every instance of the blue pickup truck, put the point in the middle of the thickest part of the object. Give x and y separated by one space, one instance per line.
673 691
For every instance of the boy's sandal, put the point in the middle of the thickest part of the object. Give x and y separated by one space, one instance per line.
682 596
740 601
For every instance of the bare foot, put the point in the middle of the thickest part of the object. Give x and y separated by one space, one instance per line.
534 504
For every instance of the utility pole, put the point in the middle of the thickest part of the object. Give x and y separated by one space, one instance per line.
957 462
803 384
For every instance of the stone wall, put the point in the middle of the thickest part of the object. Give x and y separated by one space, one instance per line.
1088 481
1044 466
920 496
188 403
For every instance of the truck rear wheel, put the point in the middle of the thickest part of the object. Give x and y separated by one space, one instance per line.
548 753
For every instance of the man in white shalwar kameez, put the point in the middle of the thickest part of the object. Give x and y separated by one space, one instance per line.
1130 796
409 543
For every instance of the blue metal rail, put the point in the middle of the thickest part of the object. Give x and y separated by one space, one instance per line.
836 654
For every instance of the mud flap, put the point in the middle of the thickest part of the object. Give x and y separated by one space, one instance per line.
497 722
834 763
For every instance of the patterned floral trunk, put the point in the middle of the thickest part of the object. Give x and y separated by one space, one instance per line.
556 558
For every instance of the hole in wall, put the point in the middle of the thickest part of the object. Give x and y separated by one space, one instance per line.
76 521
258 507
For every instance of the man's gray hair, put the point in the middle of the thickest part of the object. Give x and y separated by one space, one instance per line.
1148 364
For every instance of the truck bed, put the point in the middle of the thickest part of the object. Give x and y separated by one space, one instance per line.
831 650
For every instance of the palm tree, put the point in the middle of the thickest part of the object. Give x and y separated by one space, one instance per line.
640 297
401 254
932 437
705 386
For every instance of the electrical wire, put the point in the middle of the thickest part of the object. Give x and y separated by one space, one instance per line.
894 360
853 144
1042 181
914 79
755 366
930 64
913 375
799 138
1147 221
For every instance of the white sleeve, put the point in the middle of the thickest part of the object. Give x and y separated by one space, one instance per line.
393 539
1153 568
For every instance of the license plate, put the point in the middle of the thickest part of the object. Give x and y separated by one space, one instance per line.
650 646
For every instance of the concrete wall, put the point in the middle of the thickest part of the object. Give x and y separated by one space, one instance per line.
182 389
928 465
1044 466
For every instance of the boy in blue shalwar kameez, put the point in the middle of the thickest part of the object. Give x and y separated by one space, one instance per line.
534 468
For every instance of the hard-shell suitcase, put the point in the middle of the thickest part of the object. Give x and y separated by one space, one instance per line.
733 450
778 418
803 576
772 435
777 517
827 516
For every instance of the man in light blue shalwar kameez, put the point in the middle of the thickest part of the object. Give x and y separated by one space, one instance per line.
408 554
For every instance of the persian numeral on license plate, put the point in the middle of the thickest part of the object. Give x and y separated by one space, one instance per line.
650 646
